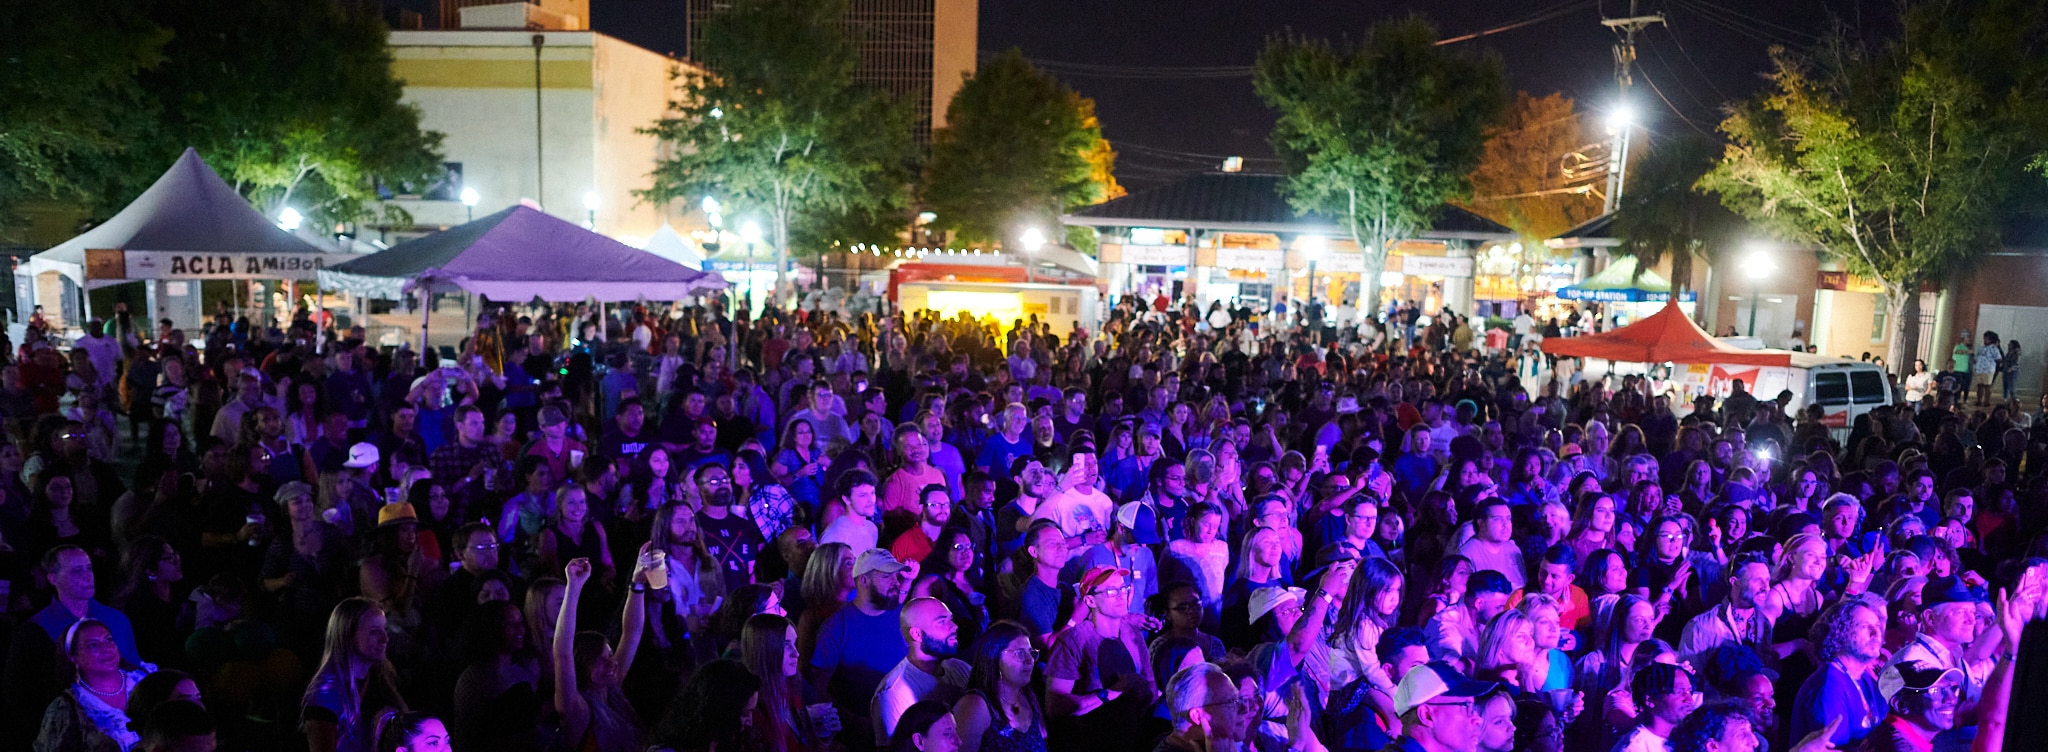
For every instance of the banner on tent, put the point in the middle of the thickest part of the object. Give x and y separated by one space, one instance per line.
119 264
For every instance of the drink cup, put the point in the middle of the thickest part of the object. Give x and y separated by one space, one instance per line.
576 459
657 570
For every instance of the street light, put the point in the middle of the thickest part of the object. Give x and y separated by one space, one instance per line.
289 219
469 199
590 205
1757 265
1622 116
710 205
1313 246
750 231
1032 240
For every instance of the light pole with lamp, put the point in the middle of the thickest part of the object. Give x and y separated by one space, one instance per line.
750 231
1032 240
1313 247
469 199
1757 265
590 206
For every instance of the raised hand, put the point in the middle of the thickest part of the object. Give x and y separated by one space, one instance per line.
1818 740
577 572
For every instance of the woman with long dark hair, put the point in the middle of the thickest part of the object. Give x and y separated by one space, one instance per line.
714 712
153 599
497 697
784 717
1000 712
594 714
800 463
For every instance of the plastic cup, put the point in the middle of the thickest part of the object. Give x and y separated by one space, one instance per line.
657 570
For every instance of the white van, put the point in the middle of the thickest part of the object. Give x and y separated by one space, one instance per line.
1844 388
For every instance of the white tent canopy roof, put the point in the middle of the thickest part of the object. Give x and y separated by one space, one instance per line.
671 245
188 210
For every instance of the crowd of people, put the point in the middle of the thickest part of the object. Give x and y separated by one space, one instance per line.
653 528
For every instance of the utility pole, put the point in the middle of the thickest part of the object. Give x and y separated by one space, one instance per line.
1619 121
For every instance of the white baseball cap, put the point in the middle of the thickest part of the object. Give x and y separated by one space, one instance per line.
1265 599
1436 679
362 455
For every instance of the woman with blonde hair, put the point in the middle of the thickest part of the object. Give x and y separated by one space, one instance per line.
354 684
1507 653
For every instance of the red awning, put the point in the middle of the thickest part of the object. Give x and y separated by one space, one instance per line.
1666 336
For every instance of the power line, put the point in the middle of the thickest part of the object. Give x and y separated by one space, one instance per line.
1541 16
1674 108
1696 67
1759 22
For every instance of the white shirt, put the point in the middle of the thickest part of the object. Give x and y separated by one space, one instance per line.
906 685
1641 739
1078 511
858 534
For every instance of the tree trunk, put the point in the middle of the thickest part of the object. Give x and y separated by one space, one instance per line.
1902 307
781 252
1371 265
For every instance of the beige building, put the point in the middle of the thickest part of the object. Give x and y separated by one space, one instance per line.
544 111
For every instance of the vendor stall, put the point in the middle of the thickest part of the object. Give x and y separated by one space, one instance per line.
189 226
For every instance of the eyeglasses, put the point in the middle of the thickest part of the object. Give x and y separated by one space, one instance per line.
485 547
1124 590
1467 706
1244 702
1185 608
1027 651
716 482
963 546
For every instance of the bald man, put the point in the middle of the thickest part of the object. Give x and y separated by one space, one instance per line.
928 672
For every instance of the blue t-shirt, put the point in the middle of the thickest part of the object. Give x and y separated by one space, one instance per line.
858 650
1040 607
1414 472
1831 693
516 375
998 452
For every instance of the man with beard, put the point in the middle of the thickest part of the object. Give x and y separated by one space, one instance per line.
734 540
934 512
1923 704
1852 634
1737 619
928 672
857 646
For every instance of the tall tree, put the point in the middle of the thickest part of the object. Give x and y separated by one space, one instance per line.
1664 215
1019 148
1379 135
69 103
1900 159
292 102
779 127
1521 180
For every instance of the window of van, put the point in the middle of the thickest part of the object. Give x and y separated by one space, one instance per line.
1830 388
1867 386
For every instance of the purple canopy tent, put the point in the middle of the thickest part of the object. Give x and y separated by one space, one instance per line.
518 254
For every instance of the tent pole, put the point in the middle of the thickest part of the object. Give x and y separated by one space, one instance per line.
319 307
426 310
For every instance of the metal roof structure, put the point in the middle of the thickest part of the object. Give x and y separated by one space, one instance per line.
1252 202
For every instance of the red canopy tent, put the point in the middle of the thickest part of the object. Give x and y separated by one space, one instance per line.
1666 336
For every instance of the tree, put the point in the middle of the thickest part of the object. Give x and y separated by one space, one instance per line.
1901 160
1665 215
292 102
779 127
69 103
1520 181
1380 135
1019 148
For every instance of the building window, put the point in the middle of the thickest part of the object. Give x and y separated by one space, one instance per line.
1877 317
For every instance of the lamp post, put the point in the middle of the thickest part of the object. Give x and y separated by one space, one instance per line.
750 231
1313 247
1032 240
469 199
1619 120
1757 265
289 219
590 206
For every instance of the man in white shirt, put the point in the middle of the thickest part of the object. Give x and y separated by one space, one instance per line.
1492 545
928 672
1080 507
104 351
856 527
1664 694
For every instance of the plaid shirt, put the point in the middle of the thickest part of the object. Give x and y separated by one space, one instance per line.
452 462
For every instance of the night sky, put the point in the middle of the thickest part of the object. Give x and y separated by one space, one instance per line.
1169 123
